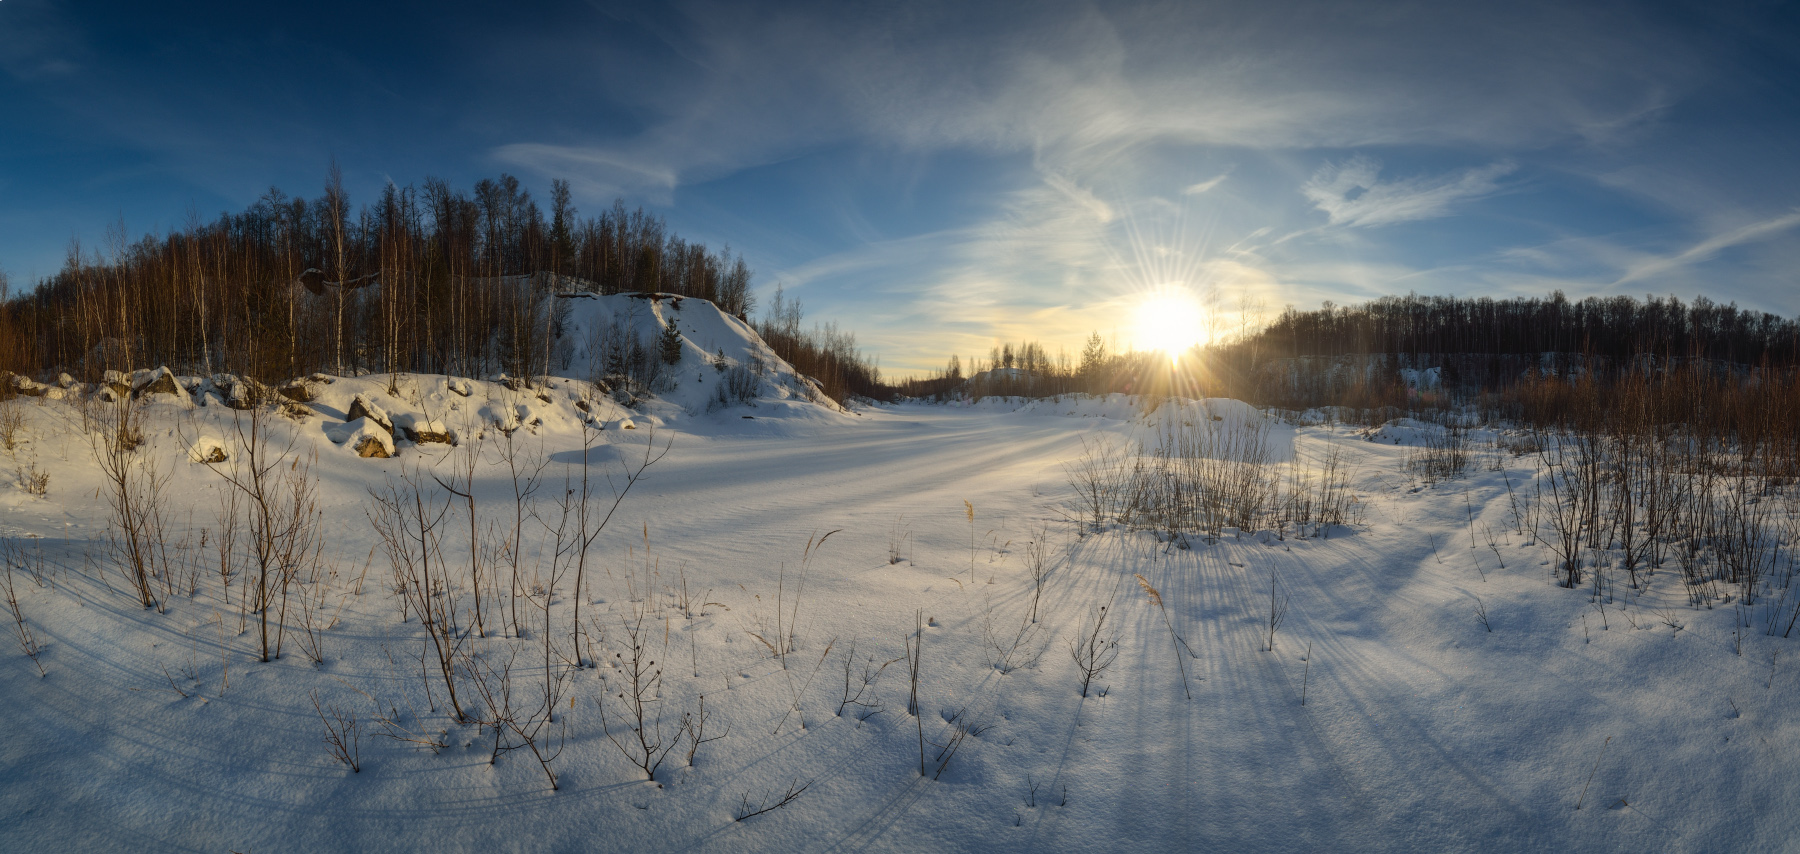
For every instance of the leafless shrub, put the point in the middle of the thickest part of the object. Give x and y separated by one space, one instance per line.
407 516
225 543
172 686
341 733
1317 499
461 484
770 801
859 683
314 589
1009 649
1493 545
1218 473
1670 619
1201 474
1747 542
1518 444
12 423
1626 456
516 727
1482 614
1444 454
280 496
1037 559
28 643
581 523
393 728
13 554
1097 477
1094 648
693 725
960 730
525 474
1278 608
1519 514
638 698
31 479
1567 470
134 487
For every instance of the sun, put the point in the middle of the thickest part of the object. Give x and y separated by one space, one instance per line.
1170 320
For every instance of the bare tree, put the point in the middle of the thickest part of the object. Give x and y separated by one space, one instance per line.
337 213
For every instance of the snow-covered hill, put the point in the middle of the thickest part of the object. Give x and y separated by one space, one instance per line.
722 363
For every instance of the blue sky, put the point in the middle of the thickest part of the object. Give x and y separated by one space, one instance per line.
941 176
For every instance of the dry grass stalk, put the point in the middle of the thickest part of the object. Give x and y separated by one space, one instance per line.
1157 600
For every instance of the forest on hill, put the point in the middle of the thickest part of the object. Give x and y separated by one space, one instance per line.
431 279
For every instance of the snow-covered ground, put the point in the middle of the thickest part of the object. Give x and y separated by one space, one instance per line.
1421 729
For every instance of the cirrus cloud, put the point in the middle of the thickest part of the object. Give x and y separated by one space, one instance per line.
1352 193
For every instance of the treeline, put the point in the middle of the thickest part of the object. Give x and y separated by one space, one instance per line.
1614 328
1029 369
1412 353
1418 352
1026 369
825 353
428 278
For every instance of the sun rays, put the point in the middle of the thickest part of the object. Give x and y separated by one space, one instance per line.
1170 320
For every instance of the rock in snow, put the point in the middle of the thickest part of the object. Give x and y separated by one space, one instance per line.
364 436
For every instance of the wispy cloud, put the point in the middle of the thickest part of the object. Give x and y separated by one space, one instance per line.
600 172
1103 102
1352 193
1206 185
1711 246
37 42
1084 87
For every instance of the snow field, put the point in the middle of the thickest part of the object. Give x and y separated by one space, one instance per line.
1421 729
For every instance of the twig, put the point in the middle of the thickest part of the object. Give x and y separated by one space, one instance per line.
1306 675
794 791
1590 779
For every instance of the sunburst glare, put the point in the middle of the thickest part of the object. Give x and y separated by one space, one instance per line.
1171 320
